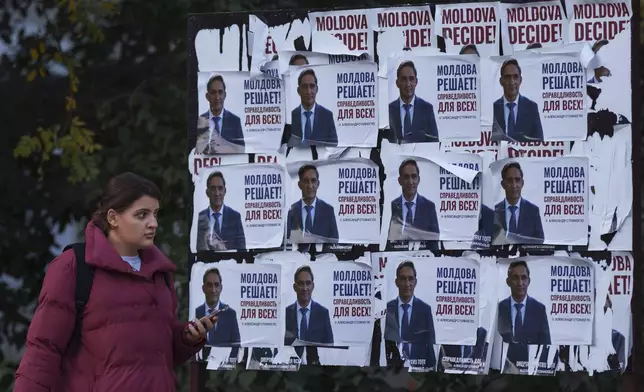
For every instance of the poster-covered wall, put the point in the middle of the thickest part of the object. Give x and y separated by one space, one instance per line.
352 150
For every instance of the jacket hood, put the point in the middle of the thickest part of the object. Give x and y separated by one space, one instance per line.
100 253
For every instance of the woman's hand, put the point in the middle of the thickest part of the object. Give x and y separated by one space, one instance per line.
198 329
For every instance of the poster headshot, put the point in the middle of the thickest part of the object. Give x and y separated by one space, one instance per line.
332 105
547 301
443 309
333 305
247 296
426 201
224 222
540 201
539 96
238 113
469 28
433 98
333 201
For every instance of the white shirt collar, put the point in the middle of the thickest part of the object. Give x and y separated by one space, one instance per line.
221 210
505 100
410 303
308 306
513 302
402 197
212 116
412 102
507 203
315 104
314 204
216 307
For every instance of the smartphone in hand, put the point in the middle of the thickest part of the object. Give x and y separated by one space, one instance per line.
212 316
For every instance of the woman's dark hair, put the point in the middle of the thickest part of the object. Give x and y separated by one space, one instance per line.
120 193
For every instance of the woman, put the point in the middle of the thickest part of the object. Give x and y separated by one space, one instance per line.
130 336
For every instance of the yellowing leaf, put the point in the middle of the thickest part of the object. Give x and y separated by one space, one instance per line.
70 104
34 54
58 58
42 47
32 75
42 72
26 146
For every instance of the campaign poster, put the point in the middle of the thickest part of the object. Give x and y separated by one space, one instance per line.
509 150
342 32
266 42
199 162
294 351
444 309
316 311
532 25
333 202
557 310
546 94
482 238
606 27
247 297
431 198
433 98
612 329
332 105
346 289
250 119
618 304
279 356
252 217
595 21
406 28
301 58
469 28
475 359
541 201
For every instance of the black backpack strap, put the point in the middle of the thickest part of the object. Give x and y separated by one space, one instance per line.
166 277
84 279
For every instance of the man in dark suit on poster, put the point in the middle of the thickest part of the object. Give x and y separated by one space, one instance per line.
413 217
311 219
618 360
516 118
483 236
311 123
411 119
306 320
478 351
409 320
226 330
219 227
219 131
516 220
522 320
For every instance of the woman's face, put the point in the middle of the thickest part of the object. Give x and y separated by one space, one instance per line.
136 226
